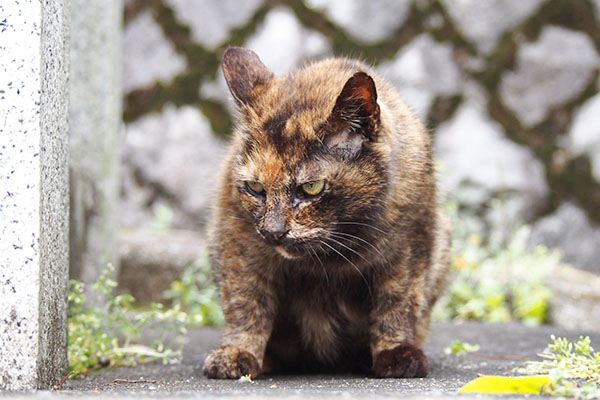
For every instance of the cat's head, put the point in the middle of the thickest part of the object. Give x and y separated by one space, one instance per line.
308 171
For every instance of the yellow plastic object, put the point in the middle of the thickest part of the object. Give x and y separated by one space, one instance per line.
502 384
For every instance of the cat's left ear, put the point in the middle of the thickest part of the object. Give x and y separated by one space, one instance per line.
355 117
245 74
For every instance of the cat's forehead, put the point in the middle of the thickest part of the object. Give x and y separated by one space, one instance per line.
270 167
283 126
290 113
265 166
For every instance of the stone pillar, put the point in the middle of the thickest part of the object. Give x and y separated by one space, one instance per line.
34 49
94 122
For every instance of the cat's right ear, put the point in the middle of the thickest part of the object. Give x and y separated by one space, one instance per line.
355 117
244 73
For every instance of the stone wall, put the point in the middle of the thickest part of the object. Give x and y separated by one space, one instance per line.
508 88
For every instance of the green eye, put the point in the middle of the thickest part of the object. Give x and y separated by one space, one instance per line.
255 187
313 188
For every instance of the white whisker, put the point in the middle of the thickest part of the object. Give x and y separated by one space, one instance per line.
351 263
350 236
348 248
313 251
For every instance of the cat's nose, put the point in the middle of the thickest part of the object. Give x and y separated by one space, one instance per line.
275 235
274 226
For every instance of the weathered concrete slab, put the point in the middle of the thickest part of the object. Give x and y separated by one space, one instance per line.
503 347
34 43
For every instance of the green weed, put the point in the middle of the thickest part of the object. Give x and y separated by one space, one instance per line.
111 333
116 332
498 280
573 368
459 347
196 293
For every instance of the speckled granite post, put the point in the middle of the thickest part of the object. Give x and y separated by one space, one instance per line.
94 123
34 43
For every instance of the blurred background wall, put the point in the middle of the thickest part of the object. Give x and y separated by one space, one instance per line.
509 90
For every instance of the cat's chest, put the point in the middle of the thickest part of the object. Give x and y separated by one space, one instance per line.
326 293
326 314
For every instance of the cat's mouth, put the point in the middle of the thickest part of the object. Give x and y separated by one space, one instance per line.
285 253
291 250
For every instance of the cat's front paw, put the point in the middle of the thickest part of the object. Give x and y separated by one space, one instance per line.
403 361
227 362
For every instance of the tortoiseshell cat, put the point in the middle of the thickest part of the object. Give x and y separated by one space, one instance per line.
328 243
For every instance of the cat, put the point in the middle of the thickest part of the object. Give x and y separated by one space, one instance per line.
327 243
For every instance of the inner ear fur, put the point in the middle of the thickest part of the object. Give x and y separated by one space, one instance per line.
244 73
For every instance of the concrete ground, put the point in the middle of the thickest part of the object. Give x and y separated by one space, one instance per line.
503 347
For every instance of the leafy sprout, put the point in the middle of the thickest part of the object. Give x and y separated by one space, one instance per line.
458 347
115 332
573 368
196 293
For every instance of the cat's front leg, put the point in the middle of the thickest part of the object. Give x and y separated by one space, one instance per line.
395 318
242 348
249 306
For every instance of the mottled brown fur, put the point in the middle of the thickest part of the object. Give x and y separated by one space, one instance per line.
343 280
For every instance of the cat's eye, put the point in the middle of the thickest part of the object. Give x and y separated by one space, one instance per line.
313 188
255 187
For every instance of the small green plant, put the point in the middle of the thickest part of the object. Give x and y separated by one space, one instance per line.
567 370
111 333
114 331
196 293
498 280
458 347
246 379
573 368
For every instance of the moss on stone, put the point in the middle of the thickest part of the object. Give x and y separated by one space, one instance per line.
218 116
442 109
572 14
344 44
